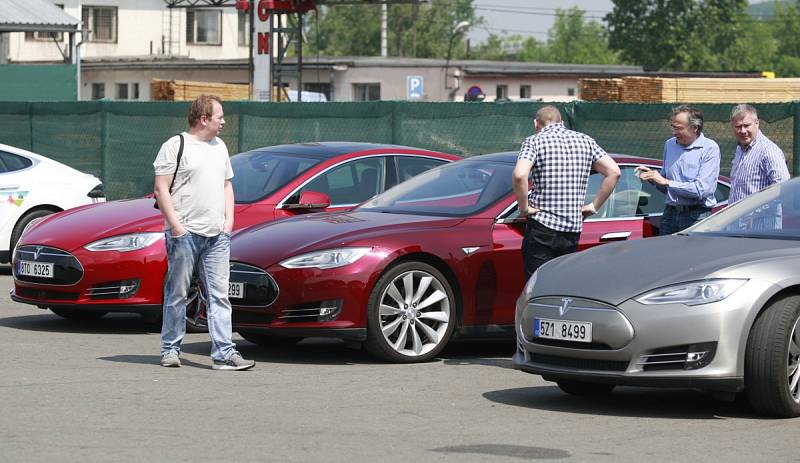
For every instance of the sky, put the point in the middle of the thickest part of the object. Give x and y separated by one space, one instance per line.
528 17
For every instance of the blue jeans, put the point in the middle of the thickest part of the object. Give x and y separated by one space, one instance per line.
678 218
210 256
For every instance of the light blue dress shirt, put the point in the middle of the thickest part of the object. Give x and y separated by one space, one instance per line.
692 172
756 166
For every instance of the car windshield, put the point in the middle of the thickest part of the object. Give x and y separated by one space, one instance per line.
258 174
458 189
773 213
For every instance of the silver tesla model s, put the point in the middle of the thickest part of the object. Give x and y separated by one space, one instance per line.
714 307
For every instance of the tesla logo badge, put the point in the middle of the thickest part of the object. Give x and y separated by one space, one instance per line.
565 302
469 251
36 252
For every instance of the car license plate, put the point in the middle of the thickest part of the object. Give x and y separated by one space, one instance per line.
35 269
563 330
235 290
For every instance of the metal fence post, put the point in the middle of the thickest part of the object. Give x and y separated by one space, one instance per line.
240 148
30 125
103 141
796 140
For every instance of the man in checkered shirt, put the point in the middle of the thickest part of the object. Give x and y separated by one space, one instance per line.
758 162
559 162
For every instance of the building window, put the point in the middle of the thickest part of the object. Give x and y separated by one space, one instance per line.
366 92
244 29
135 91
122 91
571 91
524 92
204 27
98 91
102 21
502 92
49 36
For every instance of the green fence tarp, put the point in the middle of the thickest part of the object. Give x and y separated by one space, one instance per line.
38 82
118 141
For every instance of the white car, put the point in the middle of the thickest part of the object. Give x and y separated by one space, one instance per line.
33 186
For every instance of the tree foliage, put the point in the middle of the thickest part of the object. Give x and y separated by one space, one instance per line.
667 35
678 35
572 39
419 31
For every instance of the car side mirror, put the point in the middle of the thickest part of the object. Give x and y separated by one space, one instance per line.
310 200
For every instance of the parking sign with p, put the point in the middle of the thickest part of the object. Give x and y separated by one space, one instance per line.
414 87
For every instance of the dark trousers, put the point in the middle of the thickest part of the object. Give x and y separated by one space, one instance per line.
542 244
677 218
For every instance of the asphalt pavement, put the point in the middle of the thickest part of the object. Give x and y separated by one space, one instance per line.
87 392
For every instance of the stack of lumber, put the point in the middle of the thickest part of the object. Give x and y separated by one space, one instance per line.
599 89
187 90
643 90
694 90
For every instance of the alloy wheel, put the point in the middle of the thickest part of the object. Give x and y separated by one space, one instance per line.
414 313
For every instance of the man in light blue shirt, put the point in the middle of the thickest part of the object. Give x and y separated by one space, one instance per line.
689 174
758 162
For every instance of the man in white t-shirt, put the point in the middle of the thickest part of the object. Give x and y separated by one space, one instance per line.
198 220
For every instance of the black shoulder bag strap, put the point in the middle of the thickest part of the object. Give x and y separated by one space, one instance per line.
177 165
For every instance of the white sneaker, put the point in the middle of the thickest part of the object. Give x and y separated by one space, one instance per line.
234 362
170 359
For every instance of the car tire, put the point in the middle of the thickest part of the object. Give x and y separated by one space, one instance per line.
23 222
78 315
583 388
269 340
411 314
772 360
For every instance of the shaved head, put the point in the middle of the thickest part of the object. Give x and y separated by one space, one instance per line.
547 115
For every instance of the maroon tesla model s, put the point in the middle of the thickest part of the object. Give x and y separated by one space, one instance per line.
430 259
110 257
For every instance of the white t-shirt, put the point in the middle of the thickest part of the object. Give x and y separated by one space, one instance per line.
198 194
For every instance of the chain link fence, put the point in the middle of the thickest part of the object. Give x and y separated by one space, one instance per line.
118 141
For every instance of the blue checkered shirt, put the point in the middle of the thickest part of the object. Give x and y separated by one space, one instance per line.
562 161
756 166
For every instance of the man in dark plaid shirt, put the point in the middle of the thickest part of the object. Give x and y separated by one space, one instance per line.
559 162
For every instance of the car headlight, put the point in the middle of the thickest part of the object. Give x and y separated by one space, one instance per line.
330 258
528 291
692 292
130 242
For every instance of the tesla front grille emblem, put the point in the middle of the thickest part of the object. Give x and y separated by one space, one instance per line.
565 302
36 252
470 250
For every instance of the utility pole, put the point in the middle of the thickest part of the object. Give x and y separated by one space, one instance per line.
384 30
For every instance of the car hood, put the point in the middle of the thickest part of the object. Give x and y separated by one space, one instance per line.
76 227
268 244
616 272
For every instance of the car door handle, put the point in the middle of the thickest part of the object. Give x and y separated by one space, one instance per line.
615 236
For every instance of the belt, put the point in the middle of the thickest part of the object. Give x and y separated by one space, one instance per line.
692 207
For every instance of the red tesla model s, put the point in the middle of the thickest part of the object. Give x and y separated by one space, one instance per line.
91 260
435 257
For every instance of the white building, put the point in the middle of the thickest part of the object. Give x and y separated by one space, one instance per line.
146 29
